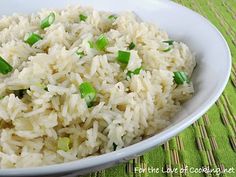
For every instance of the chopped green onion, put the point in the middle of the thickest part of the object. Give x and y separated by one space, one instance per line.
87 92
82 17
112 17
20 93
64 144
32 38
80 53
166 50
47 21
135 72
101 42
123 56
170 42
114 146
4 66
1 97
180 77
91 44
131 46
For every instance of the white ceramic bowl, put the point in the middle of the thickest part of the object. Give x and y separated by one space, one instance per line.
209 78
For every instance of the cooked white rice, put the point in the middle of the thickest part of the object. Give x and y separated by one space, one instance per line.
125 110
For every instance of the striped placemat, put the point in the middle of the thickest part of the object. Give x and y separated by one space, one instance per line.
210 143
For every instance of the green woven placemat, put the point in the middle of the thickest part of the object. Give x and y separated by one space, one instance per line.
209 143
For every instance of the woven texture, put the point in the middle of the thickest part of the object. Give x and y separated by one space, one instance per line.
211 141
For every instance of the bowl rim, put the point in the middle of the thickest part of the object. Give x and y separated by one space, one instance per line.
144 145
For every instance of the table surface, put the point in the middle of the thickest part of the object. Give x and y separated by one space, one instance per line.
209 143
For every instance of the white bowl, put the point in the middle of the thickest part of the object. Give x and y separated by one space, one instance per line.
209 78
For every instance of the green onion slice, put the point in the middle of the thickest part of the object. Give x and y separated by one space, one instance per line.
32 38
64 144
123 56
4 66
47 21
170 42
80 53
87 92
131 46
91 44
180 77
112 17
135 72
101 42
166 50
82 17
